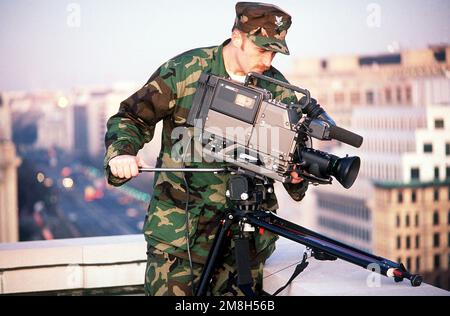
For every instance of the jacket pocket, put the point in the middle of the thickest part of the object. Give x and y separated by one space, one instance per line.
167 223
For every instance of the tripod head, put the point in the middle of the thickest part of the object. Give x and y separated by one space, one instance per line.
246 189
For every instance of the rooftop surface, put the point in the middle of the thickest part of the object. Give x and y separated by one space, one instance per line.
83 266
322 278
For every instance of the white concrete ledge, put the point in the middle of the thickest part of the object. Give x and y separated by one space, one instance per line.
79 263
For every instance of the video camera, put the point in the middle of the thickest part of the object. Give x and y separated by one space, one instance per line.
264 139
243 125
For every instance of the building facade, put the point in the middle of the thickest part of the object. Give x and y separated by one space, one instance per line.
400 104
409 78
89 113
412 225
9 162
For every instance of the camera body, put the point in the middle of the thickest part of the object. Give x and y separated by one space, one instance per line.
244 125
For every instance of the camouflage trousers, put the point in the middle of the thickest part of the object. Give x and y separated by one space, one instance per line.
168 275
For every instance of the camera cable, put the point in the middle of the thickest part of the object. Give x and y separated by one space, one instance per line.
188 241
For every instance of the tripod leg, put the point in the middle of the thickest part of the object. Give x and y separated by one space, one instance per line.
213 254
244 274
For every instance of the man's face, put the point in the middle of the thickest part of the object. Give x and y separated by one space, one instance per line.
253 58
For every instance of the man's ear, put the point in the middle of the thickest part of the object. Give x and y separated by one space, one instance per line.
237 38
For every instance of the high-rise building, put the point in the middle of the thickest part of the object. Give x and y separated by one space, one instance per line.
53 124
412 225
344 214
9 217
91 109
80 130
409 78
400 104
45 112
412 215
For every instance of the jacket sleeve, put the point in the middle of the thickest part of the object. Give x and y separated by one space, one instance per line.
134 124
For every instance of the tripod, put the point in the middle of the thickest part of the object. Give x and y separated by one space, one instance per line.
246 192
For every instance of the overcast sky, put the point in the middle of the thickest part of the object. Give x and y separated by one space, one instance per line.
55 44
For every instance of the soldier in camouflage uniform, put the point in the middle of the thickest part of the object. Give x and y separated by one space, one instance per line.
258 34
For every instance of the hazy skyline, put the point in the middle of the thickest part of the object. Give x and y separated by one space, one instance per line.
54 44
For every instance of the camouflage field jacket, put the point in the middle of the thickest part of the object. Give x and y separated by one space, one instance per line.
168 96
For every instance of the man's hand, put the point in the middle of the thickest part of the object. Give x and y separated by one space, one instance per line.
126 166
295 178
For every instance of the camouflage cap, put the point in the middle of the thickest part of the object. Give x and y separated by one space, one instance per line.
265 24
